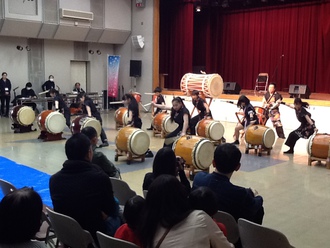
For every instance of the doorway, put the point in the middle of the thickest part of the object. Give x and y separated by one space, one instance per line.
79 74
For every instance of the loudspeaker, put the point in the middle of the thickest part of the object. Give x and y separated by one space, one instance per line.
135 68
299 90
138 41
231 88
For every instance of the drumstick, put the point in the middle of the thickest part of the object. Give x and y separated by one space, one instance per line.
44 92
149 93
120 102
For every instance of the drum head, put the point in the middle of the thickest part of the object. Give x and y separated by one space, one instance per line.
216 86
92 122
125 118
216 130
269 138
138 142
310 143
168 125
203 154
25 116
55 122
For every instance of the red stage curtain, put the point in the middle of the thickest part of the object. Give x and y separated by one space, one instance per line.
242 44
175 40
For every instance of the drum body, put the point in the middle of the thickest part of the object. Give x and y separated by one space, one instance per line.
260 135
162 122
210 84
121 116
262 115
81 122
134 140
51 121
211 129
196 151
318 145
22 115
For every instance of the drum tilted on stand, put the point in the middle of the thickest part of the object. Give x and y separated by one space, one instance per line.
210 84
121 117
318 148
210 129
261 136
196 151
51 121
81 122
22 115
162 122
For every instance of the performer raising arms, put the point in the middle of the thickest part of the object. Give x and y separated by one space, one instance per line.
179 114
89 108
250 116
160 100
203 109
60 105
134 119
271 102
307 126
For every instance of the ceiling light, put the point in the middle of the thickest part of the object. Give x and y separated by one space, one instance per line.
20 48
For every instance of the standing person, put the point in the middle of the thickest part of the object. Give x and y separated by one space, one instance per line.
48 85
134 119
202 108
77 88
238 201
250 116
28 92
89 108
83 191
307 124
159 100
168 220
180 115
5 88
271 102
61 106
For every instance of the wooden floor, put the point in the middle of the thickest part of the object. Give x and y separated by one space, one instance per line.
296 196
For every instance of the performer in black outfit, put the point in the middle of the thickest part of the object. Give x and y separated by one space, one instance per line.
134 119
61 106
160 100
307 126
48 85
89 108
179 114
5 88
271 102
28 92
202 108
77 88
250 116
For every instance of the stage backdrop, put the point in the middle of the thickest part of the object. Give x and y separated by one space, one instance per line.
113 71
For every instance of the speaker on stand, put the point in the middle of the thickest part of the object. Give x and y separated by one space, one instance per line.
299 90
231 88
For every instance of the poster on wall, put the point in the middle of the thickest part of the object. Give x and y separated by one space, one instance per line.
113 71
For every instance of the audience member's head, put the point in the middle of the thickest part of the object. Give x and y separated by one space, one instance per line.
204 199
78 147
132 211
166 205
164 162
227 158
91 133
20 216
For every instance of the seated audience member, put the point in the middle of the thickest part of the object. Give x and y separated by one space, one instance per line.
83 191
132 213
238 201
77 89
20 219
204 199
98 157
165 162
168 221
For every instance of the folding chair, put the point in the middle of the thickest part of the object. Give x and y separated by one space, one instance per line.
230 224
121 190
108 241
261 83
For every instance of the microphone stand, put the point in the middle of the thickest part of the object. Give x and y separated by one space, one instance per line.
275 71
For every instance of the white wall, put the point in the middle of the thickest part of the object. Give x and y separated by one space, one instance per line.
118 14
82 5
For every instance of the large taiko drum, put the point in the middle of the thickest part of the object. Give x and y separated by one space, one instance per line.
51 121
134 140
121 116
210 129
162 122
81 122
260 135
196 151
22 115
210 84
318 145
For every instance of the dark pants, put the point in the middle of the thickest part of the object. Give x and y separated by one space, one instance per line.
193 123
50 104
103 136
5 99
67 116
292 139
